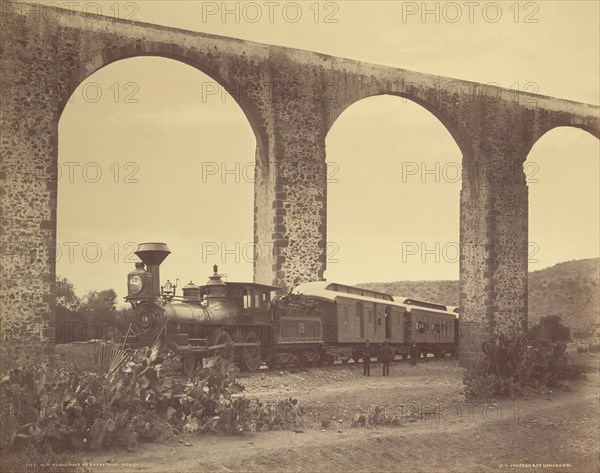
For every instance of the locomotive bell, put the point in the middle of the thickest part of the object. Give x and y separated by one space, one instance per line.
191 293
153 254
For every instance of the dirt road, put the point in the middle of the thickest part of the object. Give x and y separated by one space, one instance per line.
435 428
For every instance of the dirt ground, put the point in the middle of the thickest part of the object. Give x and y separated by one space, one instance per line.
437 429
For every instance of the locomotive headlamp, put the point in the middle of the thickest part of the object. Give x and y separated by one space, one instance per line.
135 285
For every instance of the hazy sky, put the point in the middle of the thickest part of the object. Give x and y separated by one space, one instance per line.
149 126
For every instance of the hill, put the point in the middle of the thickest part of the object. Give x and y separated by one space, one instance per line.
569 289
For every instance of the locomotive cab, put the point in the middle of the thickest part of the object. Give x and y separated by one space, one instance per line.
251 298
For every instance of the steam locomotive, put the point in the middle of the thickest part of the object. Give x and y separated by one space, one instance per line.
248 323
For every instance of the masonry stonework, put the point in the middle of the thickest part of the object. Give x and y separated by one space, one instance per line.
291 99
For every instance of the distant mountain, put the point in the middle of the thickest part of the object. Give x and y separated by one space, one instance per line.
569 289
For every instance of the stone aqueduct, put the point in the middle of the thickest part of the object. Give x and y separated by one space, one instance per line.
291 99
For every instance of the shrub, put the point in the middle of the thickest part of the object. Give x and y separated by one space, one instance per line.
511 363
594 347
550 328
58 409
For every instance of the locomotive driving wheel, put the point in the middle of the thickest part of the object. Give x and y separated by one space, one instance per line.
222 337
251 355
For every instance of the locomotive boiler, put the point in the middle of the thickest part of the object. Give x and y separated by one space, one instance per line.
240 321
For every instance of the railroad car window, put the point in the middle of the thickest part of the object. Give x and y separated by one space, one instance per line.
359 323
246 299
256 299
362 325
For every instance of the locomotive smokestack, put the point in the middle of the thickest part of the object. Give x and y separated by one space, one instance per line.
153 254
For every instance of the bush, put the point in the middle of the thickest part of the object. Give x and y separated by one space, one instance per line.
480 383
550 328
511 363
59 409
594 348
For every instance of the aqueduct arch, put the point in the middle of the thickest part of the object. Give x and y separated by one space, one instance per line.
396 196
107 57
563 171
542 132
399 90
291 98
111 122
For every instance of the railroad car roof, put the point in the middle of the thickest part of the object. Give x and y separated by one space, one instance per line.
428 309
322 290
423 304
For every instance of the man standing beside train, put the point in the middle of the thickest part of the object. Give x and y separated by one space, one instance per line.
413 354
366 356
387 355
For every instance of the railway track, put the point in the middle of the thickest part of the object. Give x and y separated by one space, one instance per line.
337 365
264 370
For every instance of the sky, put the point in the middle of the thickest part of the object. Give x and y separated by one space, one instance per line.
147 154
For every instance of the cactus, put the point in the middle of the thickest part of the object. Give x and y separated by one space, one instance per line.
514 361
